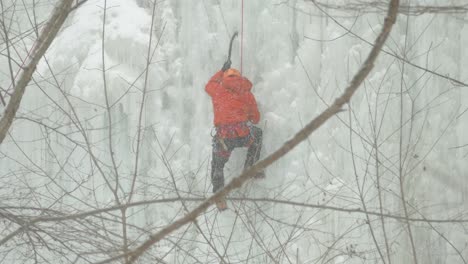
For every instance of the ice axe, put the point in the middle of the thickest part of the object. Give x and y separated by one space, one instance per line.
230 45
227 64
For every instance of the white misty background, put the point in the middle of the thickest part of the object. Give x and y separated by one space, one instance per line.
112 140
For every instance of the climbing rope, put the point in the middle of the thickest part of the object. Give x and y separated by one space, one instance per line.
242 37
235 34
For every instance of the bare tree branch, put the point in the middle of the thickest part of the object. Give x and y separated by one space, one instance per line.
406 9
392 53
48 34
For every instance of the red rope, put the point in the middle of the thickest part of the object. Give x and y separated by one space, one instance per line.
242 37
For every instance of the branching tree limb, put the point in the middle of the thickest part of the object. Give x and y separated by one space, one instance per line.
393 53
405 9
44 41
69 217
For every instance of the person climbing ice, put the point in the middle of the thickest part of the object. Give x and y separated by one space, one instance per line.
235 112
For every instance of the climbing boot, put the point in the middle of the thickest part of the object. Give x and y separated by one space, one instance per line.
221 204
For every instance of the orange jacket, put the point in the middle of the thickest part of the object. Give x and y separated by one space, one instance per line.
233 102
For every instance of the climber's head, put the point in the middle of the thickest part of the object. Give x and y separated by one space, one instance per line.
231 72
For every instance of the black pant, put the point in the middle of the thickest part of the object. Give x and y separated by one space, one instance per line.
222 149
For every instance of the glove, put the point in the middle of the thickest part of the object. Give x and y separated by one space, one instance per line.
226 65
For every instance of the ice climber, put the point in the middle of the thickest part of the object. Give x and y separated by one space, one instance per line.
235 112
